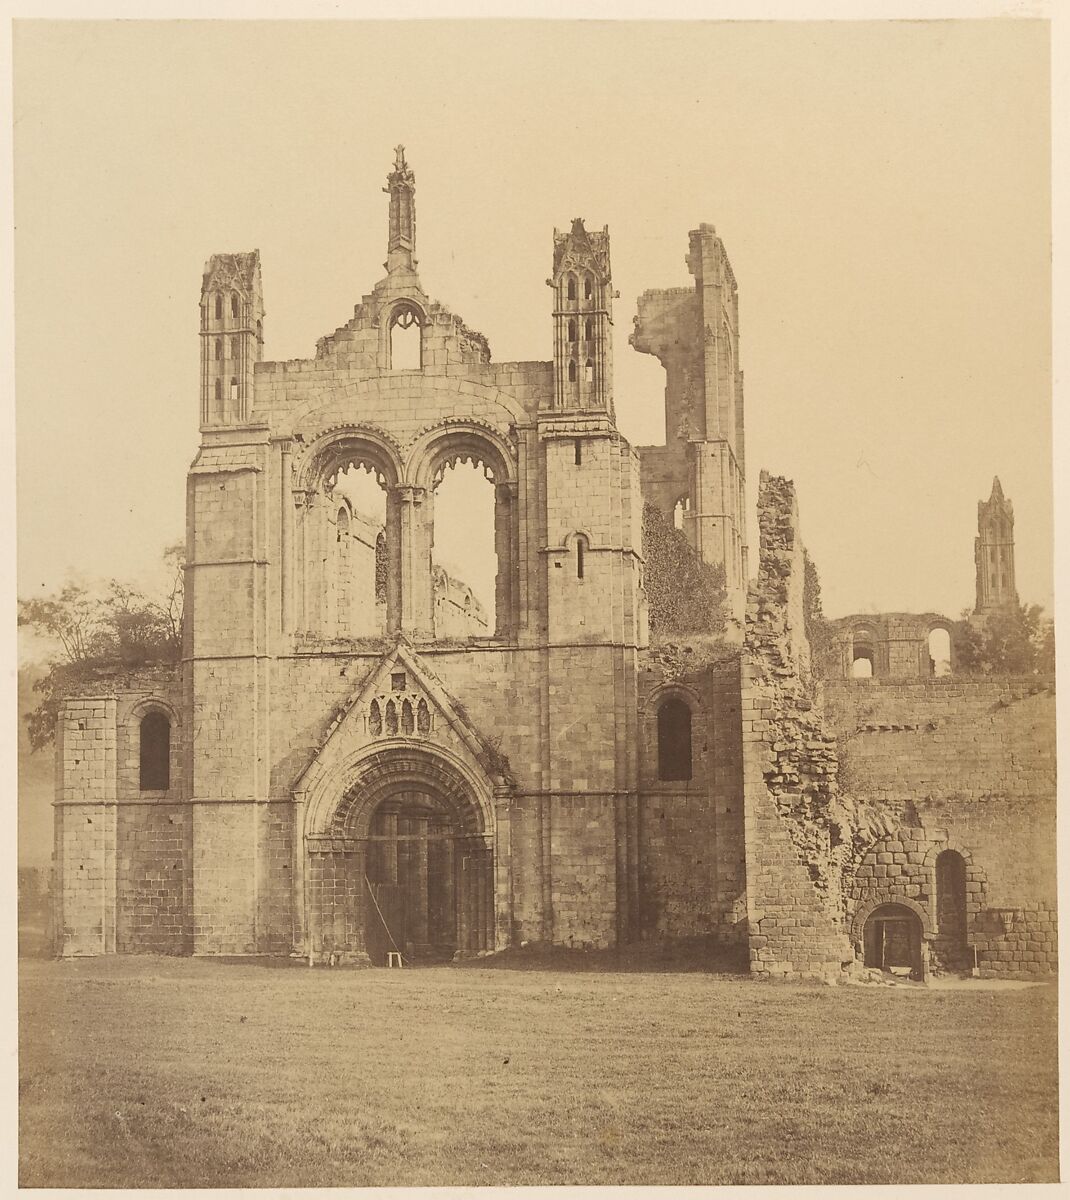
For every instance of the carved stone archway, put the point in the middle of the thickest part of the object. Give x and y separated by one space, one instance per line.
400 857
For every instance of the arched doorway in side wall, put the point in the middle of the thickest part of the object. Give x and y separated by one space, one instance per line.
891 940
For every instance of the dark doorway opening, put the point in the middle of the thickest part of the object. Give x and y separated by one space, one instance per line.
428 884
892 940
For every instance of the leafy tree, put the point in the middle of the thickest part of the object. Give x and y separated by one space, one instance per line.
1014 641
684 594
96 633
818 633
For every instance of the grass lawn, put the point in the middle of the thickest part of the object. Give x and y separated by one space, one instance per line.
152 1072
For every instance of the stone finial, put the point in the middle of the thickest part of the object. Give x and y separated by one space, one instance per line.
401 187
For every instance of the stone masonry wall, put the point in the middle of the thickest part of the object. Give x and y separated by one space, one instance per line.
790 790
966 764
691 831
84 847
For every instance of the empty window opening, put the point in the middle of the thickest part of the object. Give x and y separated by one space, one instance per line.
218 349
588 287
572 370
862 667
355 587
234 304
578 446
155 752
588 330
951 897
939 652
862 656
572 331
219 389
235 350
405 341
674 740
572 287
218 307
581 552
464 558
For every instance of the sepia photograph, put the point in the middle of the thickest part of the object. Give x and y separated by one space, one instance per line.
535 585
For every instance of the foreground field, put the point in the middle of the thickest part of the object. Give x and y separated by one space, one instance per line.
191 1073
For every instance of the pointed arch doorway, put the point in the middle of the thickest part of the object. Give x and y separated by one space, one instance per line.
404 863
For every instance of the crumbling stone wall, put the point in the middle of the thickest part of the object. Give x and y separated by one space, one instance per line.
794 820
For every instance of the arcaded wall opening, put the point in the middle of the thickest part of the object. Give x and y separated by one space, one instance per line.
464 559
354 590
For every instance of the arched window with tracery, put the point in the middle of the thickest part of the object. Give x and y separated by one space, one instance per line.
155 752
405 338
674 740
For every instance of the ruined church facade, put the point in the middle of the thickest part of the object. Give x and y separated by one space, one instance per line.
354 759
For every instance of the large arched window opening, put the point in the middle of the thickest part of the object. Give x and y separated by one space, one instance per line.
674 740
354 590
218 307
464 558
155 752
951 897
406 350
939 652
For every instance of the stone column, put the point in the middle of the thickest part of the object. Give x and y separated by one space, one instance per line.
414 559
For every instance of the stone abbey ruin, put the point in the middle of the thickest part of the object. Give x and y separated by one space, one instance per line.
643 741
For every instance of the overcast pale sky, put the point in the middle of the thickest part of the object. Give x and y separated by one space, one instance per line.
882 190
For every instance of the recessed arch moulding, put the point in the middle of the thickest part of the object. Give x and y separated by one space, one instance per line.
365 766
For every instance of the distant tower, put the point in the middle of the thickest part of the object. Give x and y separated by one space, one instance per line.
232 336
583 320
994 552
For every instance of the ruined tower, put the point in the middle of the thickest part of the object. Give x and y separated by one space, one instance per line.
694 332
232 336
993 552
